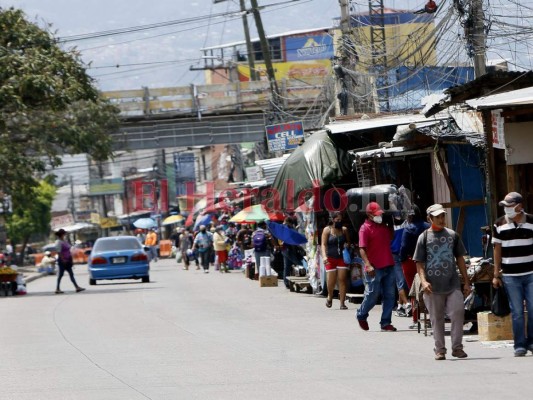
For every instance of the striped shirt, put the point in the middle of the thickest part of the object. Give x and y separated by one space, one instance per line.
516 240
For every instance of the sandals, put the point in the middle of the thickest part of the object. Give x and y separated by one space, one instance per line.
344 307
329 303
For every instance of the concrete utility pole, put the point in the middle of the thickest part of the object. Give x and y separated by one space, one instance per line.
378 42
478 39
266 55
72 205
249 48
344 84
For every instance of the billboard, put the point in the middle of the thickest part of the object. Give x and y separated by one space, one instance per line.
286 136
288 70
100 187
312 47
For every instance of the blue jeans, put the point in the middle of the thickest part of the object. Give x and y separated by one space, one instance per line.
401 283
289 259
520 288
382 283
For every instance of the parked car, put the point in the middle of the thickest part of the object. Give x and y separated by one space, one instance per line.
120 257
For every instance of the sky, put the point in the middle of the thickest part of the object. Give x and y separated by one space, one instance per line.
179 43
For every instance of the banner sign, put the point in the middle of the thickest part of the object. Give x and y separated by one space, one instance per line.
314 47
100 187
61 221
498 137
283 137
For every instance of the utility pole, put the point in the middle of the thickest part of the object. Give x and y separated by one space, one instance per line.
249 48
266 55
478 39
344 83
378 42
71 201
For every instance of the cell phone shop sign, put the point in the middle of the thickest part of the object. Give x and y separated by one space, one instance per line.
286 136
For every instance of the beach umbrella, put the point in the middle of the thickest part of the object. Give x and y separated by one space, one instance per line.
202 220
145 223
173 219
254 214
286 234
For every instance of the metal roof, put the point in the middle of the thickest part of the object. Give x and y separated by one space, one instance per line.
518 97
374 123
271 167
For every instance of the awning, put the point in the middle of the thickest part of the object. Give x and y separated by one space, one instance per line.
80 226
520 97
380 122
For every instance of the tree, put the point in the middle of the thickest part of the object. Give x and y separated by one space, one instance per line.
49 105
31 217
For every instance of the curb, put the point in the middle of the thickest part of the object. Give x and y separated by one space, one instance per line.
35 276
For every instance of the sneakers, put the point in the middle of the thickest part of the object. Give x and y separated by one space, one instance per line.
459 353
388 328
400 312
414 325
59 291
520 352
440 356
408 310
79 289
206 271
363 324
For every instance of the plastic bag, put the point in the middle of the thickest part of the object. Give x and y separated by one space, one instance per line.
346 256
500 303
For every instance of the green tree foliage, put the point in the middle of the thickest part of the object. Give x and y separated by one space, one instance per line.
48 104
31 216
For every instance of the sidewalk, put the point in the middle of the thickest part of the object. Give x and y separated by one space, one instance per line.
30 273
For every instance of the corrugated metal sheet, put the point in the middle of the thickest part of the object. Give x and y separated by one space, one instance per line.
512 98
374 123
271 166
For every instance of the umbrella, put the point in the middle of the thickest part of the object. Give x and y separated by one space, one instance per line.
190 220
173 219
286 234
145 223
202 220
253 214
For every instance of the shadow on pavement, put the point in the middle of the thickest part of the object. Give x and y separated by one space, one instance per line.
88 291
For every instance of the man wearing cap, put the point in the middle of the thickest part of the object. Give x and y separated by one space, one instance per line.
374 245
513 263
438 253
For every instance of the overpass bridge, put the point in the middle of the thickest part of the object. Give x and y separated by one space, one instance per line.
214 114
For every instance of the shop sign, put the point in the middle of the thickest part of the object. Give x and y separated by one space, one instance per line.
100 187
95 218
253 173
109 222
61 221
498 135
315 47
284 137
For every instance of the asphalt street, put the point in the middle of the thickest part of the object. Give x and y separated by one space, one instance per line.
190 335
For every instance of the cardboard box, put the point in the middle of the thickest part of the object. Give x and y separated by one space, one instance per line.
491 327
268 281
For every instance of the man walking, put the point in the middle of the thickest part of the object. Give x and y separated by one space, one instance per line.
513 262
438 252
374 245
151 242
203 242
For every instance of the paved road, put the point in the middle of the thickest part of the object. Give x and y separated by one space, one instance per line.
189 335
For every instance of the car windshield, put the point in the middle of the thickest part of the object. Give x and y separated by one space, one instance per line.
129 243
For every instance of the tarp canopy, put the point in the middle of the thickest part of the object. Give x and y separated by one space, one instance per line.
316 160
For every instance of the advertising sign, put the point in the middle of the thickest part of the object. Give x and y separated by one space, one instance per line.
288 70
100 187
315 47
498 138
61 221
286 136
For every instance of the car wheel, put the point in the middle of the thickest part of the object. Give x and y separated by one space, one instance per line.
146 279
92 282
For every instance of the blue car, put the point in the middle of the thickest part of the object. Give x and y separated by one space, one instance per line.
121 257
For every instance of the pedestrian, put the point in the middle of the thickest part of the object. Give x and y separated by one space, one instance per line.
335 238
244 238
513 264
404 308
416 224
289 253
378 272
263 243
151 242
220 242
203 242
65 261
438 253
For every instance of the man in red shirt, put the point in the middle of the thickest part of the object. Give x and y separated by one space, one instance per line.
380 279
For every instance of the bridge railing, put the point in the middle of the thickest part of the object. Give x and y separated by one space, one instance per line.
215 98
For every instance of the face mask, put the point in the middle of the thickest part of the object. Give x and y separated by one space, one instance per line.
510 212
378 219
338 224
202 230
436 228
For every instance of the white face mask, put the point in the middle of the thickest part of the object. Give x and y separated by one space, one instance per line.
378 219
510 212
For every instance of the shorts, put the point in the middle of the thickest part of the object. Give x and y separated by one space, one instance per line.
334 264
222 256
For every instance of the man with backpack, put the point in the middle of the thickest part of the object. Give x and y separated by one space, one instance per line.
262 242
203 243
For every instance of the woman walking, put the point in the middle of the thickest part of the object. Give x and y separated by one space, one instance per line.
65 261
335 238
